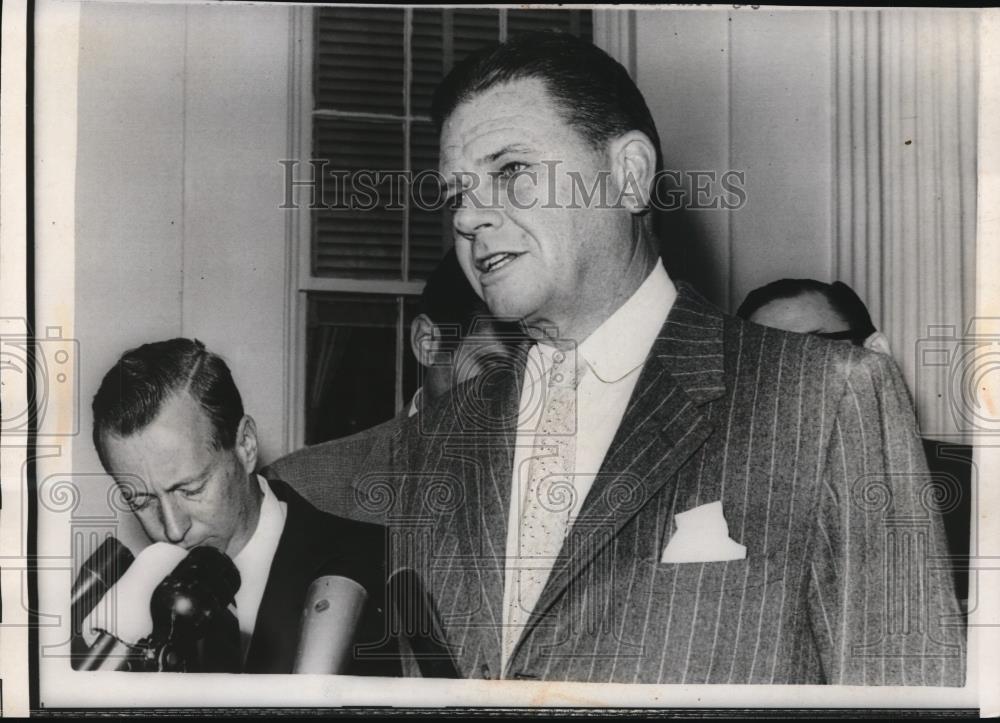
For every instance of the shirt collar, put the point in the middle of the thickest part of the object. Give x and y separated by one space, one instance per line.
257 554
416 402
622 342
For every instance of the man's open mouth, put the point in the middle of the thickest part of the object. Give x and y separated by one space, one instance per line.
495 262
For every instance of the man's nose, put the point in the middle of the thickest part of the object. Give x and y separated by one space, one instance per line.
477 214
176 521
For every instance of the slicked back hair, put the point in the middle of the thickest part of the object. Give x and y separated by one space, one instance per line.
592 90
135 388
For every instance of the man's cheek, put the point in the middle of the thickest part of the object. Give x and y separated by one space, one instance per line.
525 193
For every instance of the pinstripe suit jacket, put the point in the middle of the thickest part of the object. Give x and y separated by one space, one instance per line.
812 447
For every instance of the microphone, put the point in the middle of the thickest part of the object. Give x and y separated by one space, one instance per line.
108 653
330 618
193 628
122 617
97 574
417 623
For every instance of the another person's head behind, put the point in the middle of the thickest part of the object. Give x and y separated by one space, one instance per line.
170 428
524 127
454 337
808 306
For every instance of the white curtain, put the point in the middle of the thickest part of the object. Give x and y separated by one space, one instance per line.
905 84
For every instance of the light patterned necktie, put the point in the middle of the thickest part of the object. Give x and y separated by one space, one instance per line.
547 502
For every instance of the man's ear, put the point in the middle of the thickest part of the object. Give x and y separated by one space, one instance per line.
878 342
633 169
423 341
246 443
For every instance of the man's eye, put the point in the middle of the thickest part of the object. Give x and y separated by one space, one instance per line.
138 502
194 491
509 170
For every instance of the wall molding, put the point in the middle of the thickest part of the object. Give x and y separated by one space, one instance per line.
299 146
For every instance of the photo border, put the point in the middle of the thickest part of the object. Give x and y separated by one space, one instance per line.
32 533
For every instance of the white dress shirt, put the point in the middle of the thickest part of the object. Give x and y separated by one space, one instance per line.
608 364
254 562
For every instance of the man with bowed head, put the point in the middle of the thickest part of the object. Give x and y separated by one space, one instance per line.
687 501
170 428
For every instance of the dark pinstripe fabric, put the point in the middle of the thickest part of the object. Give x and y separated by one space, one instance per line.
811 446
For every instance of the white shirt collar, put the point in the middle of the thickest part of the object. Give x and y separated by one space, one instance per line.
254 560
416 401
622 342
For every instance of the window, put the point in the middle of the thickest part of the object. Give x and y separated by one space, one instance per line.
374 73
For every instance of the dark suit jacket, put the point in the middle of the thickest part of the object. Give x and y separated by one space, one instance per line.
810 445
314 544
324 474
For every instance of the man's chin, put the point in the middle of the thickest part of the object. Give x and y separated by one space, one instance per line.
507 302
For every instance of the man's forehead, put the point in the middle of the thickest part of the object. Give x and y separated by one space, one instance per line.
180 428
520 111
487 138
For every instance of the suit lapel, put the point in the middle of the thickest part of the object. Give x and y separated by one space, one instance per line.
272 647
480 450
664 423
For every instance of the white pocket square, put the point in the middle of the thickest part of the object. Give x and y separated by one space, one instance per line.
702 536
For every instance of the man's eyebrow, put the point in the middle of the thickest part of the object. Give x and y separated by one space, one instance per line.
194 478
450 185
510 148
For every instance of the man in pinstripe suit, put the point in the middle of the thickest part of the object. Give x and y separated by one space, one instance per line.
710 501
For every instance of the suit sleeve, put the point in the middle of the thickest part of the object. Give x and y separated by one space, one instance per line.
882 604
